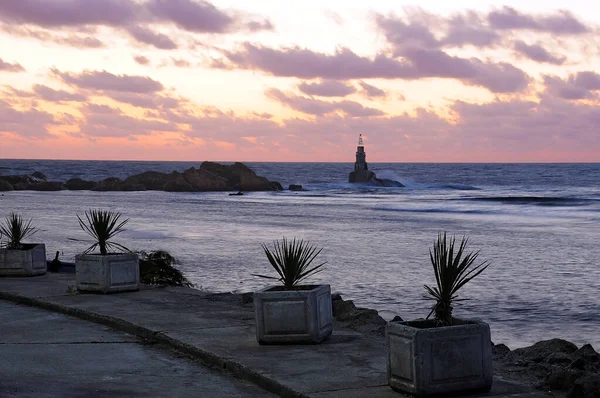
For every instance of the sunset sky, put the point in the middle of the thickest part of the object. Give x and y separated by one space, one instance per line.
271 80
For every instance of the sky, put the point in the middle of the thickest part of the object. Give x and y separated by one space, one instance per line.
271 80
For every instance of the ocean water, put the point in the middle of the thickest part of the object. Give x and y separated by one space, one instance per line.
538 225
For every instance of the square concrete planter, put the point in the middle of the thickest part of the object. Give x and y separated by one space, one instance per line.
293 316
424 360
28 262
107 274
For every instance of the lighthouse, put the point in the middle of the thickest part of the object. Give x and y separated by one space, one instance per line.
361 171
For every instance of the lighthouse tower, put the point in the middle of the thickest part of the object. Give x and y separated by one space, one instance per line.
361 171
361 156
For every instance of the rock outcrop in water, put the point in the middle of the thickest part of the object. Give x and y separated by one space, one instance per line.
209 176
362 174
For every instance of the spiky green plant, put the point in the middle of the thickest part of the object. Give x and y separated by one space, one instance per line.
292 261
156 268
452 271
103 225
16 229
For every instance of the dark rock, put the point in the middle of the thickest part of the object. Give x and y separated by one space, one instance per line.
336 297
39 175
46 186
108 184
5 186
559 358
562 379
77 184
295 187
586 358
397 318
206 180
363 320
587 386
276 186
500 350
385 182
540 351
341 307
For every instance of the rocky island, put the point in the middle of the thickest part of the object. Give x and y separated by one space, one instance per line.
210 176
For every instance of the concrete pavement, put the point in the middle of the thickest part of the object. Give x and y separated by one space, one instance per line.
219 330
46 354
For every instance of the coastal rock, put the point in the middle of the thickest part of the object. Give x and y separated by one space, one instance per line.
540 351
364 320
77 184
209 177
296 187
5 186
500 350
587 386
386 182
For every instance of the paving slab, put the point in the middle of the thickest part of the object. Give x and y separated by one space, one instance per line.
60 356
219 329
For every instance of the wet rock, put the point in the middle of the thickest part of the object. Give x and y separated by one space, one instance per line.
296 187
342 307
562 379
540 351
500 350
39 175
559 358
46 186
276 186
77 184
204 180
336 297
587 386
108 184
360 319
397 318
586 358
5 186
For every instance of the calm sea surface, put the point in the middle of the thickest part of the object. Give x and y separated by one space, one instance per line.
538 224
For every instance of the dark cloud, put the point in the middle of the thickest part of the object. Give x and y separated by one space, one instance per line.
536 52
317 107
49 94
559 23
372 91
103 80
469 29
327 88
148 36
10 67
402 34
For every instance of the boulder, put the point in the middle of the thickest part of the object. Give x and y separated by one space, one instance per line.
363 320
204 180
46 186
5 185
296 187
500 350
77 184
540 351
587 386
108 184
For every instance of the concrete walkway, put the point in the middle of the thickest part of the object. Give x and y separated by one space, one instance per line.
219 330
45 354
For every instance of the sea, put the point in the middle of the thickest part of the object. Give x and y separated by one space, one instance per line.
537 224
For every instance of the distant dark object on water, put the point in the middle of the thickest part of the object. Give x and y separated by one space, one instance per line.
54 266
236 194
296 187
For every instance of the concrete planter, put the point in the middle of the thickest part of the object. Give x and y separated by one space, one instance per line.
424 360
293 316
107 274
28 262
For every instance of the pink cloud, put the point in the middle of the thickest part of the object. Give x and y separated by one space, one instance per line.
73 39
327 88
559 23
148 36
538 53
344 65
48 94
30 123
140 59
10 67
103 80
469 29
372 91
317 107
577 86
145 100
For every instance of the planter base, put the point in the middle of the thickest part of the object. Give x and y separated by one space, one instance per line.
107 274
442 360
293 317
28 262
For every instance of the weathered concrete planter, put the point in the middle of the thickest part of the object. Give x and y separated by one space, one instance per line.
293 316
28 262
107 274
441 360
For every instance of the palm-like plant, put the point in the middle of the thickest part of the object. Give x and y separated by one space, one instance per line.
103 225
16 229
292 261
452 271
156 268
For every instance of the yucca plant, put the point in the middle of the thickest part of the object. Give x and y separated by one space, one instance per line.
292 261
156 268
103 225
452 271
16 229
